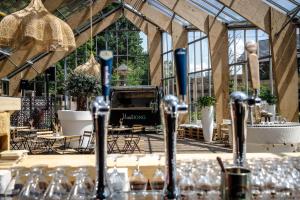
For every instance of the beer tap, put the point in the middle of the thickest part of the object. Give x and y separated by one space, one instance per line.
240 104
101 110
239 115
172 108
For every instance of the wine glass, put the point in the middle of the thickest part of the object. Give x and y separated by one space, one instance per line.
117 183
138 182
157 181
15 184
187 184
83 186
59 186
35 187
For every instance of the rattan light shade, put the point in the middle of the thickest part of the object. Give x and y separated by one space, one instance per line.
36 25
91 67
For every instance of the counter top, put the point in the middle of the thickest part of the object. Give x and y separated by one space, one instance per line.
124 160
148 162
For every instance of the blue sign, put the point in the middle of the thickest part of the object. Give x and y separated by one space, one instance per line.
106 59
181 70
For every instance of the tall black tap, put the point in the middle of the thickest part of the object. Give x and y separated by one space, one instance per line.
172 108
239 114
101 111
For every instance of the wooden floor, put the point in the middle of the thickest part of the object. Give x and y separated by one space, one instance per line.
151 143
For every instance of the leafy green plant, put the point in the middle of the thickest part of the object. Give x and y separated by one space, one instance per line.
266 95
82 86
205 101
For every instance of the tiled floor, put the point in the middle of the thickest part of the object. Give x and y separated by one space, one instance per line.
152 143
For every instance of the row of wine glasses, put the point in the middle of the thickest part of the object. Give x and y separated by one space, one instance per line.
271 178
34 185
197 180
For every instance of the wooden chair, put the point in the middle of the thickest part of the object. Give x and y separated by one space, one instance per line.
16 143
112 144
132 141
89 147
180 133
224 130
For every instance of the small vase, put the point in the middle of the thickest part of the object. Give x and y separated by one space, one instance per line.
272 109
208 123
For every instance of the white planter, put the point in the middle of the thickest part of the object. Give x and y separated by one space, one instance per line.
208 123
75 122
272 109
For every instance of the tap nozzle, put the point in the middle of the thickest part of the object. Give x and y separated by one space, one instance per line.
239 113
172 105
99 106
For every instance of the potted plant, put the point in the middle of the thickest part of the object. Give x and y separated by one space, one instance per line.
205 104
82 86
266 95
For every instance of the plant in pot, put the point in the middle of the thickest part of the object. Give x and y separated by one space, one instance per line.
206 105
266 95
82 86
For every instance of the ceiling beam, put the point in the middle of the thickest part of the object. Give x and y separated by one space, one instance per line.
166 23
20 57
54 57
283 43
194 16
52 5
162 20
255 11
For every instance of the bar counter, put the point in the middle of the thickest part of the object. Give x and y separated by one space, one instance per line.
148 162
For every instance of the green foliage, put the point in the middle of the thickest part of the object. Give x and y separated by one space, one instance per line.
205 101
79 84
137 61
266 95
240 87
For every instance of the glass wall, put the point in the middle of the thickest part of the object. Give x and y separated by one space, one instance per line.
199 72
168 64
239 72
200 81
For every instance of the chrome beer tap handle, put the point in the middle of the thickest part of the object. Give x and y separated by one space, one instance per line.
172 107
239 113
100 110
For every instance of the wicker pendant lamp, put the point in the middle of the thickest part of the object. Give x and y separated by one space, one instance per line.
91 67
35 25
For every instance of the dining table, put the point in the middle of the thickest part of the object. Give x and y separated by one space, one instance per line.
114 134
50 140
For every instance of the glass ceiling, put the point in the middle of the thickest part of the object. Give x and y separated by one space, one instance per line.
69 7
216 8
288 7
162 8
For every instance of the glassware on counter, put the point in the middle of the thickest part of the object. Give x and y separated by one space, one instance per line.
16 183
138 182
59 187
35 186
116 181
158 180
186 183
83 187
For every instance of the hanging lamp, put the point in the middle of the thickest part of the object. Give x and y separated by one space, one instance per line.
35 25
91 67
